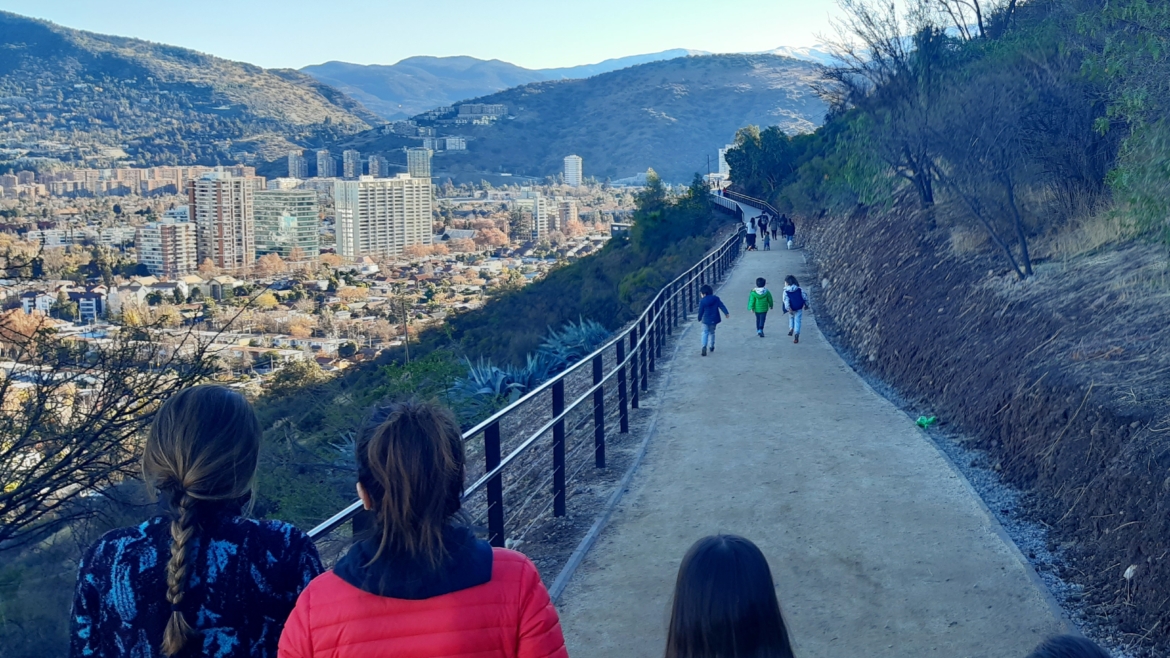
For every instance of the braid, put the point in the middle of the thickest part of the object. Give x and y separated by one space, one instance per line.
178 631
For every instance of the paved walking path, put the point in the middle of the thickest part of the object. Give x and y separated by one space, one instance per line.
878 547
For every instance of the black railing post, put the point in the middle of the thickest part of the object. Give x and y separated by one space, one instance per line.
634 367
623 402
558 408
645 383
652 335
598 415
660 325
495 486
670 310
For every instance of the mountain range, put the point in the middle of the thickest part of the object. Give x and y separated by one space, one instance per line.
82 97
670 115
417 84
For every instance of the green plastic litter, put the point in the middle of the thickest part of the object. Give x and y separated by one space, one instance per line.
926 421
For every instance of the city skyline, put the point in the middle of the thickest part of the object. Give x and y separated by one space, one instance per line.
608 30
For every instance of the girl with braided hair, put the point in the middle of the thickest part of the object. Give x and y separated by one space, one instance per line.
200 579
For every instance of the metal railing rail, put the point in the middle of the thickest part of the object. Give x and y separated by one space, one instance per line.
645 337
752 201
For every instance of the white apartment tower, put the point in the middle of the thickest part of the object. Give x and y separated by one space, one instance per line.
298 167
378 168
382 216
351 164
418 162
573 170
222 211
326 165
724 169
167 247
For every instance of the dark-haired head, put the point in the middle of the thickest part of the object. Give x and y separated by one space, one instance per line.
706 290
410 474
202 450
760 282
1068 646
790 280
725 604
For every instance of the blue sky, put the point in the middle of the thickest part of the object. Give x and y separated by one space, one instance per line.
531 33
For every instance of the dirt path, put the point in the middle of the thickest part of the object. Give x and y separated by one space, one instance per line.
878 547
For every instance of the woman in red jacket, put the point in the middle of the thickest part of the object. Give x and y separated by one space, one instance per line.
421 586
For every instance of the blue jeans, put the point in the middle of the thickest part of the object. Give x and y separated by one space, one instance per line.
709 335
794 321
760 317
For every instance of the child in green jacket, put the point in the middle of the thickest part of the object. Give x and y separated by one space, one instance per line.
760 302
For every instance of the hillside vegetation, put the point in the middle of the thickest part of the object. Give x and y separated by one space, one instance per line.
987 212
670 116
77 96
417 84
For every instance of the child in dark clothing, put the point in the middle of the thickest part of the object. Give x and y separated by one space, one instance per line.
709 308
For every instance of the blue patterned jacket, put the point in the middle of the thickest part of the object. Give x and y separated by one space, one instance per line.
243 578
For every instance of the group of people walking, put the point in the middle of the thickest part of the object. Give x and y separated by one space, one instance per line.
767 225
760 302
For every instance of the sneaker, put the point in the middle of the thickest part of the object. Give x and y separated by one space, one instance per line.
796 339
712 349
790 332
704 353
761 334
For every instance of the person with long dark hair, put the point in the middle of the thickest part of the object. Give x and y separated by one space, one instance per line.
200 579
421 585
725 604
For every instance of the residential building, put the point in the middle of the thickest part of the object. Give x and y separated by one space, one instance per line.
566 212
37 301
287 221
473 110
434 143
573 170
382 216
418 162
351 164
284 183
298 167
221 207
167 247
378 166
545 218
90 305
455 143
26 177
724 169
326 166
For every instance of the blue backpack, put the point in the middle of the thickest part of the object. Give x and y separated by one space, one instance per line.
795 299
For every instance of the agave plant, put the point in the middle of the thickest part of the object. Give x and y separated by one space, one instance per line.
574 341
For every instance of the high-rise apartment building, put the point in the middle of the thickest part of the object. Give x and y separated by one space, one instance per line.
298 167
418 162
566 212
167 247
724 169
351 164
326 165
382 216
222 210
378 166
287 224
573 170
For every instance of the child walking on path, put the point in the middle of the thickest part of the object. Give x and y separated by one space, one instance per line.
709 308
794 305
760 302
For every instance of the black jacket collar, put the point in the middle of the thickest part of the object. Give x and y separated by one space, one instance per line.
468 564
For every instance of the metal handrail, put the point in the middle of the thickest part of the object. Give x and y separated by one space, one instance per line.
650 332
750 200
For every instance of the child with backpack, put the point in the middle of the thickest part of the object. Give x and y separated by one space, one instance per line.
760 301
709 308
725 603
794 304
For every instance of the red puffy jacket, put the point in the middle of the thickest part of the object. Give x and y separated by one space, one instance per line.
509 616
